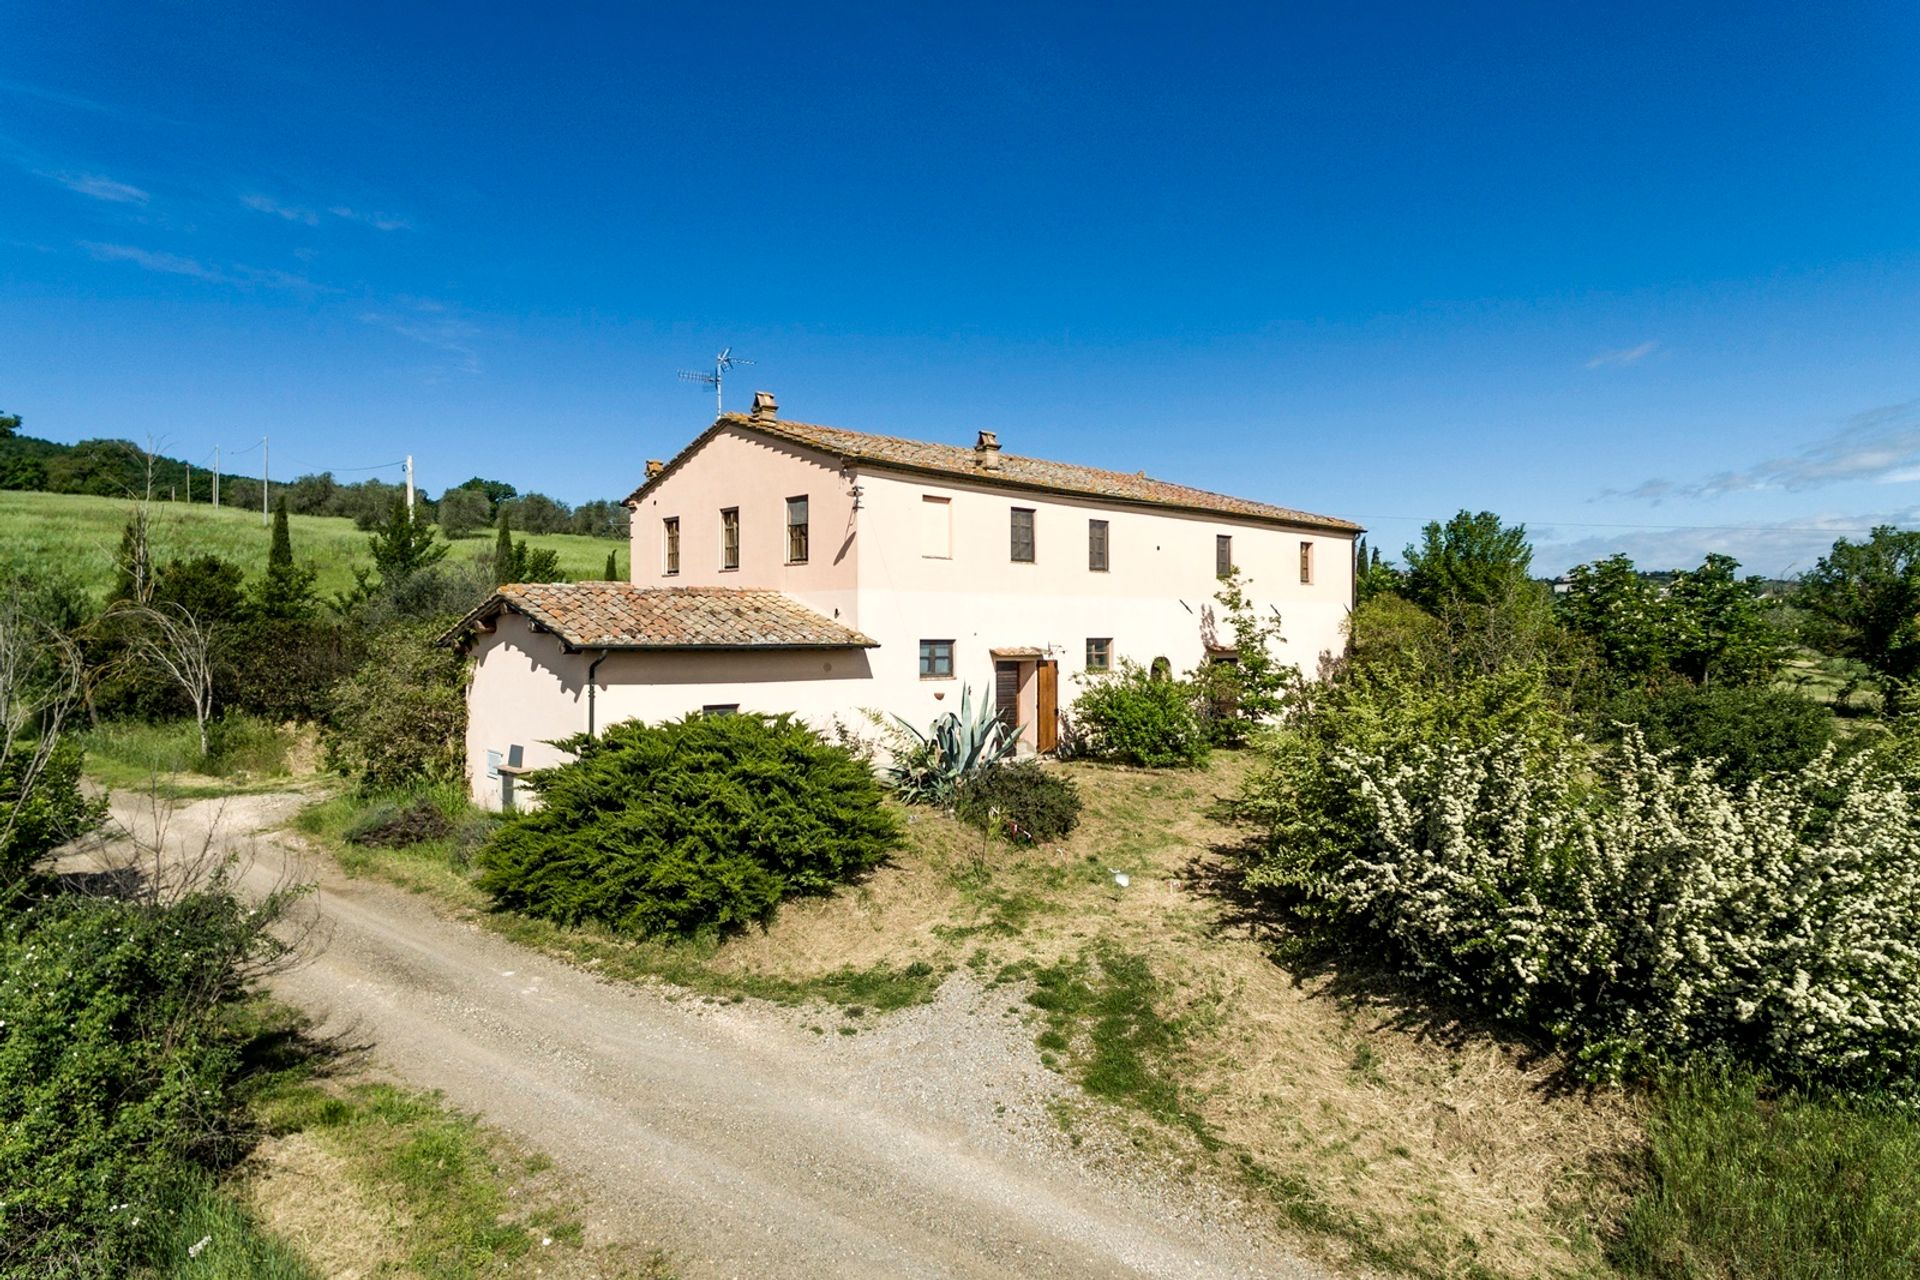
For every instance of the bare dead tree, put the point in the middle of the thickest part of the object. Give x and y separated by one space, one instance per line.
180 646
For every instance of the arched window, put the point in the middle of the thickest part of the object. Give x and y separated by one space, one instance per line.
1161 669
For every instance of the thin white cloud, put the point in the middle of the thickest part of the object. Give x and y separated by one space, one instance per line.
175 264
101 188
378 221
1879 446
449 336
292 213
1623 357
147 260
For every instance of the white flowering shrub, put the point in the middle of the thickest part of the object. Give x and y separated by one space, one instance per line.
1630 906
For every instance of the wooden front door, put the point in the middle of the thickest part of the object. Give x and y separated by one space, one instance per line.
1046 729
1006 693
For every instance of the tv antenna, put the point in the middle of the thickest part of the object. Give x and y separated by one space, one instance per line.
721 363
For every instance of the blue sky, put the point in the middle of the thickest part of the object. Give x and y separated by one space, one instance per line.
1648 280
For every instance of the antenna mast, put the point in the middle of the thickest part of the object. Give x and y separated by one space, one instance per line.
721 363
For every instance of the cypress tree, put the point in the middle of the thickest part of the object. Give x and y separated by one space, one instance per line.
280 555
287 590
504 561
613 569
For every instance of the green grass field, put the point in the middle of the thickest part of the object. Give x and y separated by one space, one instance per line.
82 534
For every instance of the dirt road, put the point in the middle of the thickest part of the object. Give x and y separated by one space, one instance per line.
732 1135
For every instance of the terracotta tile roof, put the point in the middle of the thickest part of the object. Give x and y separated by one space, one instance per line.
618 615
1014 472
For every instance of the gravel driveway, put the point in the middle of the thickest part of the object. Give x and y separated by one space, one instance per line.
730 1134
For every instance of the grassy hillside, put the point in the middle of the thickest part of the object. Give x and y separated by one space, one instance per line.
83 534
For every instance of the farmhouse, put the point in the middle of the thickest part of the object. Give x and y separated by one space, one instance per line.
780 566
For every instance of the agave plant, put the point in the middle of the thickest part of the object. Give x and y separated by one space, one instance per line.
927 767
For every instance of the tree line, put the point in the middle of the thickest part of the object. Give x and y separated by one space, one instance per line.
122 469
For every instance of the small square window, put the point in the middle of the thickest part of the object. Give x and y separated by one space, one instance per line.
1100 653
670 532
1023 535
1222 556
797 530
1306 562
1097 545
730 538
936 659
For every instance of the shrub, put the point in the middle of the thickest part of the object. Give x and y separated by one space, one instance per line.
41 808
401 719
122 1072
706 822
1135 719
927 768
1745 732
1650 911
392 825
1022 800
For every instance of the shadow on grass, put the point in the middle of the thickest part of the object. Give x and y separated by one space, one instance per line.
1351 972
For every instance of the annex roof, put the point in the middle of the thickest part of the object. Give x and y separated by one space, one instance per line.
618 615
1011 471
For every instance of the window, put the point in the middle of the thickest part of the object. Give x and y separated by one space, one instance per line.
1162 669
936 527
721 709
1306 562
1023 534
671 529
1100 653
1222 556
797 530
730 538
1097 545
936 659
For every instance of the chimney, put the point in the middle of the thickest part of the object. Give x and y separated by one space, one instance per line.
655 467
986 451
765 407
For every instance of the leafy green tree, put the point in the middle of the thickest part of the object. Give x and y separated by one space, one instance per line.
613 568
1719 626
462 512
401 718
537 513
286 592
1472 560
1864 602
1623 613
9 424
1246 685
494 491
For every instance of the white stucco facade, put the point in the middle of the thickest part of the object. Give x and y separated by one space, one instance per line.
905 556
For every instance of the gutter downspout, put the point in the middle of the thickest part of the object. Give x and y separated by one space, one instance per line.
591 668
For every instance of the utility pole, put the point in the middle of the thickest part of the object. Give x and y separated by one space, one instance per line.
189 484
263 479
409 488
216 477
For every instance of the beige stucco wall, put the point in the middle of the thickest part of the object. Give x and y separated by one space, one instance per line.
1152 601
527 691
735 469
